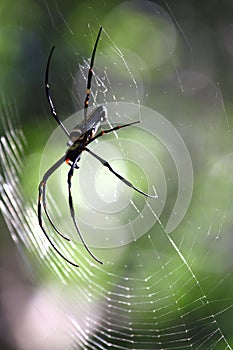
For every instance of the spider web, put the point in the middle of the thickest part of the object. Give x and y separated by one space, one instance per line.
166 289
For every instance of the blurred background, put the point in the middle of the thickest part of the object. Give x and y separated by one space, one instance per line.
164 290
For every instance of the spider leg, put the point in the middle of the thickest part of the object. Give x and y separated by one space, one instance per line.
103 132
52 108
89 78
43 193
128 183
72 212
42 197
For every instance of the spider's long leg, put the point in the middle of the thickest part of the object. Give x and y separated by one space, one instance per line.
52 108
89 78
42 189
72 213
42 198
103 132
46 211
128 183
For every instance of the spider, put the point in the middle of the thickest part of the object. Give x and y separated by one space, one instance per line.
79 138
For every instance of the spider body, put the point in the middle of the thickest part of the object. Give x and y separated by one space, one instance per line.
79 139
97 117
82 138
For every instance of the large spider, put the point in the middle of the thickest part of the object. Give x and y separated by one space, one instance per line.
79 138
